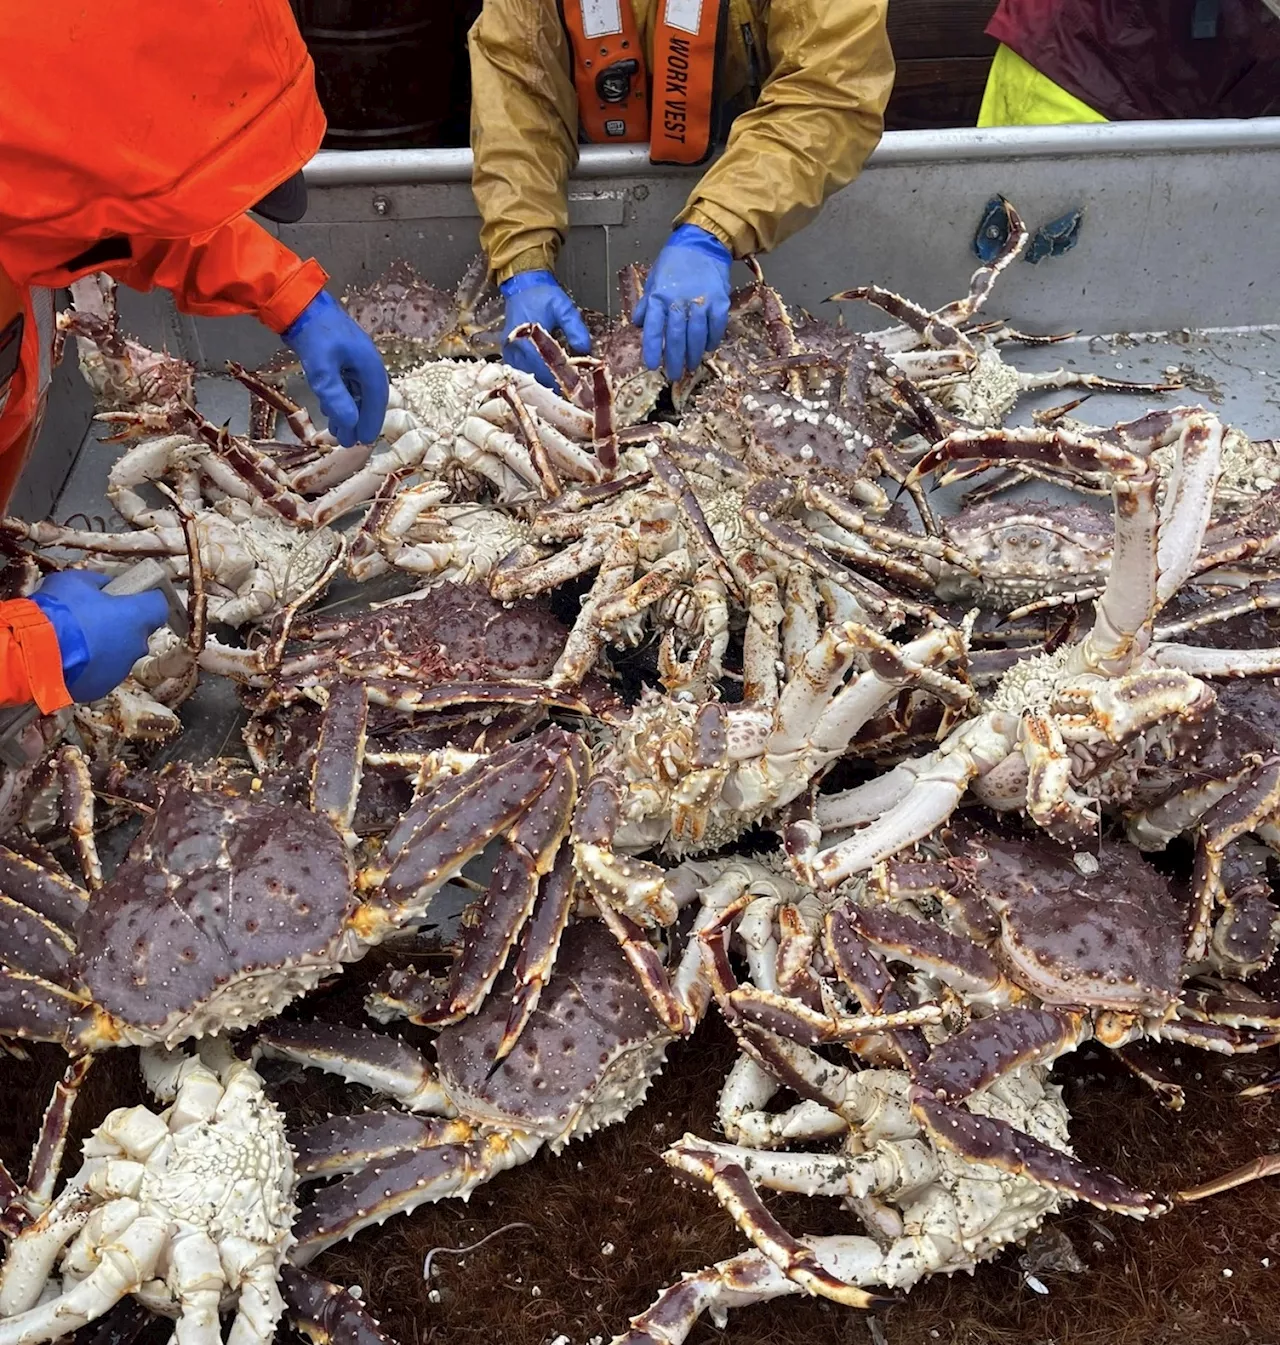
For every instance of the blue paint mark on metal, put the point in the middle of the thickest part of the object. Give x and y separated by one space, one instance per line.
1053 239
993 232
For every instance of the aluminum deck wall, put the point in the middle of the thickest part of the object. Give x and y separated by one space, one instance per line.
1181 229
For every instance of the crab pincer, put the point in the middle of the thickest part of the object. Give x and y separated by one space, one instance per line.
528 854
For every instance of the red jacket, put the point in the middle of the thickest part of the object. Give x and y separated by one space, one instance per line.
1138 59
154 124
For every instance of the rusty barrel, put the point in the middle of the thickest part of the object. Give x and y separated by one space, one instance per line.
384 68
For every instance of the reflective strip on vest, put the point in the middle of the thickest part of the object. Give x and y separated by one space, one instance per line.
46 328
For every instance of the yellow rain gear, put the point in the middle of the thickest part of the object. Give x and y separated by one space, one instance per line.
1017 94
824 72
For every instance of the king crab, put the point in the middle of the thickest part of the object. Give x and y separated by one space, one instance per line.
940 1181
961 364
186 1213
1063 730
123 374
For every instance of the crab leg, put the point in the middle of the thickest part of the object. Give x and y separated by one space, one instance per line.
127 1262
1253 800
1256 598
444 835
937 331
159 542
403 1183
976 1057
737 1283
385 1064
37 946
982 1139
1200 662
33 1009
348 1143
335 775
516 577
733 1189
636 887
741 1114
527 856
906 805
841 512
884 1170
324 1313
527 436
1257 1168
298 417
861 969
46 1157
583 645
539 945
785 1017
677 485
764 509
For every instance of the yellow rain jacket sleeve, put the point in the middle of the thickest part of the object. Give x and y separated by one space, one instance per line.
819 114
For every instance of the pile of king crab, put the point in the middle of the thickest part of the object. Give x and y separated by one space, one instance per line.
693 699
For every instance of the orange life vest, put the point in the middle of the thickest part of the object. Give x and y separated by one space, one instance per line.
618 102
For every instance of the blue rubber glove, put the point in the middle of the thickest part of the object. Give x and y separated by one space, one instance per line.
100 637
536 296
343 367
685 306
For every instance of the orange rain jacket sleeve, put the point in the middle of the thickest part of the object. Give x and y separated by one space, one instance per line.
160 124
151 127
820 113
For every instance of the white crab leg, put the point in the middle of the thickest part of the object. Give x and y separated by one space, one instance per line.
941 780
260 1305
104 1225
889 1167
1201 662
541 575
127 1263
331 469
31 1258
864 803
1188 502
196 1280
741 1113
736 1283
801 626
1129 601
875 688
582 647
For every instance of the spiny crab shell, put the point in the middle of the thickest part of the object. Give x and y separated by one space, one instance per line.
411 320
225 909
1025 550
470 634
1108 934
586 1059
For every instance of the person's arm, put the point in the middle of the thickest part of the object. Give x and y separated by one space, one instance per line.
30 660
818 117
524 119
241 268
237 269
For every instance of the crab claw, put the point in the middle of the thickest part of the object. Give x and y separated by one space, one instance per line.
733 1188
451 824
326 1314
982 1139
635 887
